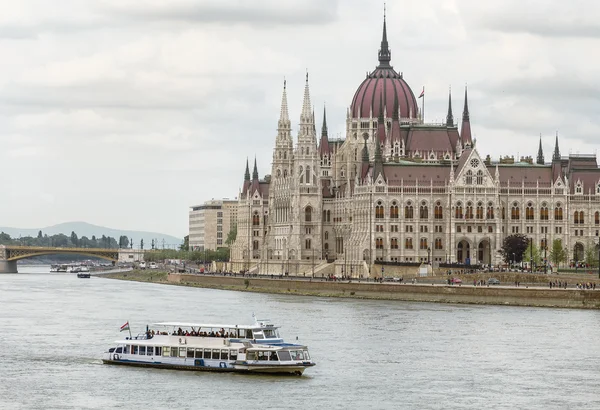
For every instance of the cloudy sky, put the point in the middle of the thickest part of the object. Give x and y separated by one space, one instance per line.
124 113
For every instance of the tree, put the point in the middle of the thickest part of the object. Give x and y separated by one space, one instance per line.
142 244
231 235
185 246
40 236
591 254
513 247
536 254
557 253
74 239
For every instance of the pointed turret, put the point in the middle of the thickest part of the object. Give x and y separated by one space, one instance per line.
284 118
381 121
556 156
306 115
385 55
247 174
449 116
324 143
540 155
378 162
465 130
364 168
255 172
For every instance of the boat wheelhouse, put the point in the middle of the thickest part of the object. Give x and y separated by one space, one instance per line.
256 348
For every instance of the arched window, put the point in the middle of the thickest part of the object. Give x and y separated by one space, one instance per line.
308 175
479 212
408 243
308 214
307 244
285 173
255 245
515 212
458 214
542 244
480 177
255 219
324 216
576 217
469 177
394 243
558 212
438 211
438 243
469 211
379 210
408 211
423 243
355 154
423 211
326 246
529 211
326 235
394 210
328 216
379 243
597 218
579 217
544 212
503 213
284 154
489 214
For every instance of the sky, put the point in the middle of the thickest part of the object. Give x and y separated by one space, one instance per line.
125 113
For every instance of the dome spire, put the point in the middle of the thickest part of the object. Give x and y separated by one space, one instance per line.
255 172
284 118
385 55
556 156
247 174
324 127
449 116
305 117
465 130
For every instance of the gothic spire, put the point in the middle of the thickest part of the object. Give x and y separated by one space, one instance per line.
378 161
324 127
247 174
255 172
540 155
465 130
365 153
385 55
306 115
284 118
449 116
556 156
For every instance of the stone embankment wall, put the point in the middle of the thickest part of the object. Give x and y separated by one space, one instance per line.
493 295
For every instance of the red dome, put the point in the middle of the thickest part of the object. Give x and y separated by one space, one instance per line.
383 84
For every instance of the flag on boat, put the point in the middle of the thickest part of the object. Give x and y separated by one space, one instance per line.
125 326
422 93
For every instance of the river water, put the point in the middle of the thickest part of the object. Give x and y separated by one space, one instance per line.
369 354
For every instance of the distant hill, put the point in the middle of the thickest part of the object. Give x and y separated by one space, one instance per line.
86 229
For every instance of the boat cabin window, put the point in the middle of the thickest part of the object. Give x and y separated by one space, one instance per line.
270 333
233 354
166 351
198 354
298 355
157 350
190 353
149 351
142 350
284 356
251 356
215 354
224 354
182 352
207 353
174 351
135 349
258 334
119 350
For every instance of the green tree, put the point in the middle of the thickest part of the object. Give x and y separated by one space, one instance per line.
557 253
74 239
142 244
231 235
513 247
40 236
591 254
537 260
185 246
123 241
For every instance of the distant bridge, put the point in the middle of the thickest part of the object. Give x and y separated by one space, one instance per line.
9 255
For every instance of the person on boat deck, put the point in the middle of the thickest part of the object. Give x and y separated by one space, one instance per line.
179 332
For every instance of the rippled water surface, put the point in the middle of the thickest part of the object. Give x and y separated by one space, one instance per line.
369 354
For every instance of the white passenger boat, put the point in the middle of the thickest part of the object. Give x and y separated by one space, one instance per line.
255 348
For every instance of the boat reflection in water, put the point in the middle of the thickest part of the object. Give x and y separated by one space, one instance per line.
255 348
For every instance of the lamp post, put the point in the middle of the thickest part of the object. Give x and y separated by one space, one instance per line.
313 262
531 255
514 260
428 255
545 254
598 257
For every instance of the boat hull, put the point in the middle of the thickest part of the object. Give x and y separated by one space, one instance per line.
289 370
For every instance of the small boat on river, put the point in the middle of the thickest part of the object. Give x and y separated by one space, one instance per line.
84 275
255 348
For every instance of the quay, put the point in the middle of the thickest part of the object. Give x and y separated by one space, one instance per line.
431 289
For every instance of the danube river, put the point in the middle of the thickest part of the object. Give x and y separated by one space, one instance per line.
369 354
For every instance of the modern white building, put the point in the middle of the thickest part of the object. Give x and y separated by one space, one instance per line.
210 223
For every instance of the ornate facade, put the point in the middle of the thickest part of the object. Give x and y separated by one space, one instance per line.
397 189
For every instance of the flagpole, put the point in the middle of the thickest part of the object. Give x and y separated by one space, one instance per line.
423 107
129 328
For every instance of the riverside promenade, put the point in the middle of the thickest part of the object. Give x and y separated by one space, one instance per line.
526 294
